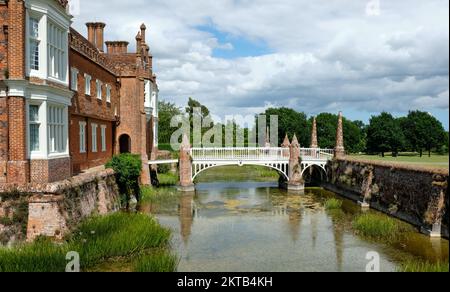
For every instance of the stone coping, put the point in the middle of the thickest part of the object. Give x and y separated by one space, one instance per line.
398 166
59 186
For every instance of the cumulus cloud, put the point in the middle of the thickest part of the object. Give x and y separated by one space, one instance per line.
324 55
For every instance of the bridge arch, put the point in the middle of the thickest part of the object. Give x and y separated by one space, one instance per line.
281 167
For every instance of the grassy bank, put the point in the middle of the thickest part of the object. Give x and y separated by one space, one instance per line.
98 239
168 179
437 161
333 204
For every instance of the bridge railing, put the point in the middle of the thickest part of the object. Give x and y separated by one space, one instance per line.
316 154
244 154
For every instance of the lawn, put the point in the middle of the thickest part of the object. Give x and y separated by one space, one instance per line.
438 161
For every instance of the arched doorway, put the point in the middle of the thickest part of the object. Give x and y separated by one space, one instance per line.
125 144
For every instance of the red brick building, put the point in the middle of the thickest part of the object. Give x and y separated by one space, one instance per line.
65 104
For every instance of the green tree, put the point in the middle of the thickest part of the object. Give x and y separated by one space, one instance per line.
423 132
354 133
167 110
385 134
204 113
291 122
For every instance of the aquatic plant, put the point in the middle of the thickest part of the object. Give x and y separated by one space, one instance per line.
413 266
157 261
378 226
157 195
96 240
167 179
333 204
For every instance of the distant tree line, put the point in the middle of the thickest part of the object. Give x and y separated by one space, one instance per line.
417 132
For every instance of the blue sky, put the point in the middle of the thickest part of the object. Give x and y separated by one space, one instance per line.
240 57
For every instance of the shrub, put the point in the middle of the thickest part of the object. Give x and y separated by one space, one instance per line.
333 204
128 169
163 168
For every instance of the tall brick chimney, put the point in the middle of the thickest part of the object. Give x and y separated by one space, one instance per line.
96 34
117 47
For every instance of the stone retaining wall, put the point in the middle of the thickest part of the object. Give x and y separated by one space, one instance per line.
53 209
417 195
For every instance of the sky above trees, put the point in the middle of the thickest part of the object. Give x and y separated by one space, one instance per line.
240 56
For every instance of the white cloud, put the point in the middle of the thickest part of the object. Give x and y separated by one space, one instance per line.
326 55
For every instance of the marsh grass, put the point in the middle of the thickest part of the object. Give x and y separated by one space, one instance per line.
157 261
96 240
155 195
41 256
413 266
333 204
379 226
167 179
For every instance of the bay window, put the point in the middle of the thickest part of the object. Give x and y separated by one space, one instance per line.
34 41
56 127
56 46
34 125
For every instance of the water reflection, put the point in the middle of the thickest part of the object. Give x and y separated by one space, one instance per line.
258 227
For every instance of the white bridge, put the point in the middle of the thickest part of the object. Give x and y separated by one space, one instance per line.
275 158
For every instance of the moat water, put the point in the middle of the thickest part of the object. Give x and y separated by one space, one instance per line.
256 227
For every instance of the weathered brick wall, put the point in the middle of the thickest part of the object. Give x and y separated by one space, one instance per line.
417 195
54 208
3 39
43 171
16 39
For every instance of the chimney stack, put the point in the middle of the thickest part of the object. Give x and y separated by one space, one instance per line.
96 34
117 47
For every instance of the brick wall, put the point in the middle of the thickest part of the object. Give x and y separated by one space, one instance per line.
16 39
43 171
89 109
18 166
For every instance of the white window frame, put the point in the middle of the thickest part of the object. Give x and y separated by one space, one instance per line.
87 84
94 128
57 57
103 136
108 93
99 89
37 122
82 136
56 125
41 40
74 79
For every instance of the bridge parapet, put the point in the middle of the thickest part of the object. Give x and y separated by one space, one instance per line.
240 154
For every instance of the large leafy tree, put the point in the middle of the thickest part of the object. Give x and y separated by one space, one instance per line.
423 132
167 110
385 134
354 133
291 122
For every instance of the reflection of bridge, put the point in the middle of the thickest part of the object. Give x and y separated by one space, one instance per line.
274 157
290 160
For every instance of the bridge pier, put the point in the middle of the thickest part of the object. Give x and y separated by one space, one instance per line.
186 183
296 182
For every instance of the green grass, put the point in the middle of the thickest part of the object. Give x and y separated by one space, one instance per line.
424 267
333 204
158 261
437 161
168 179
379 226
155 195
96 240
